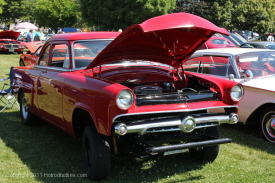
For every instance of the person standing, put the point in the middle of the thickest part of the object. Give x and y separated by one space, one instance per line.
38 35
270 38
29 37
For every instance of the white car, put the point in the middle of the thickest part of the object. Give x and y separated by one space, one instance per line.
255 69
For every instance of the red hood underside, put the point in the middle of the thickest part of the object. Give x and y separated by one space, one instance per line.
9 35
168 39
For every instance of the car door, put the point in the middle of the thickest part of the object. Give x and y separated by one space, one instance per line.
51 83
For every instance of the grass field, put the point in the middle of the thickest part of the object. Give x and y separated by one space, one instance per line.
45 154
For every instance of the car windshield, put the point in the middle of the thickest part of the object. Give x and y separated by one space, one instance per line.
214 65
134 63
256 64
85 51
219 41
252 65
270 46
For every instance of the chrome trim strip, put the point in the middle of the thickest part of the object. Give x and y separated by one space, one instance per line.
185 110
52 68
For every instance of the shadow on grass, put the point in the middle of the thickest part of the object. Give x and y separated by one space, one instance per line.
48 151
247 135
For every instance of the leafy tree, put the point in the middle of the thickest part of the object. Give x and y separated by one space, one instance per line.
200 8
17 9
2 3
256 15
55 13
120 14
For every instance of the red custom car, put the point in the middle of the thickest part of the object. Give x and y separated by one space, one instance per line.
128 95
8 42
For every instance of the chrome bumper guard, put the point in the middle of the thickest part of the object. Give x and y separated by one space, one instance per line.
188 145
187 125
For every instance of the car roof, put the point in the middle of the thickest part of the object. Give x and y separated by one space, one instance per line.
229 51
84 36
260 42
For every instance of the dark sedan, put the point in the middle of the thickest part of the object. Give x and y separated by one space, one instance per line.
260 44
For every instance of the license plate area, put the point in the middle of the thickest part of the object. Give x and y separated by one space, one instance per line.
174 152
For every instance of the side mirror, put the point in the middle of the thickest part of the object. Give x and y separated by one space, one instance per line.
249 74
231 77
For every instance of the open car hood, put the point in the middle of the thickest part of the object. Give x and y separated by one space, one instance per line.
168 39
32 46
9 35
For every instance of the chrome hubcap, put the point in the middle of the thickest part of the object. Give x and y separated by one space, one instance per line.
25 108
270 126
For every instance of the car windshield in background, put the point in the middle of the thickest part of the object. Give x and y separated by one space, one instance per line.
210 65
259 63
270 47
220 41
253 65
86 51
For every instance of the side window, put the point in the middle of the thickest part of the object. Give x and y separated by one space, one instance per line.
60 56
45 57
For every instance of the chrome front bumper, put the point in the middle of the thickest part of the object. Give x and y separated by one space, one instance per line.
187 124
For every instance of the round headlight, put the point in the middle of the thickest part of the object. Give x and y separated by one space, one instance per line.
236 93
124 99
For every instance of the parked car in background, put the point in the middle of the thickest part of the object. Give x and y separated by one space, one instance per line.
255 69
125 93
30 57
251 36
259 44
48 36
263 37
217 42
234 38
9 44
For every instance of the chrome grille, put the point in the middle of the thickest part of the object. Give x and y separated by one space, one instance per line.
176 128
11 46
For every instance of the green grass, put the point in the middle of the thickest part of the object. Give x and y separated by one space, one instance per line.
34 154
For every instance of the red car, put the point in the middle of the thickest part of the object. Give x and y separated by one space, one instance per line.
126 94
217 42
30 58
8 42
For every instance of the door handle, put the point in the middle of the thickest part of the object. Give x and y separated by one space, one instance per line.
44 71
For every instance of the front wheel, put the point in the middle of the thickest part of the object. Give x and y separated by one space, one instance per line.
208 153
96 154
268 124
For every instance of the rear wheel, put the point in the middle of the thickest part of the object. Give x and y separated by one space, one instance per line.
27 118
208 153
96 154
268 124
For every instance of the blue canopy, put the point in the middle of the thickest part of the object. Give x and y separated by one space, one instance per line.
69 29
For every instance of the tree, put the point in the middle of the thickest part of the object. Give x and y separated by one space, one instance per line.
2 3
17 9
199 8
120 14
55 13
256 15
